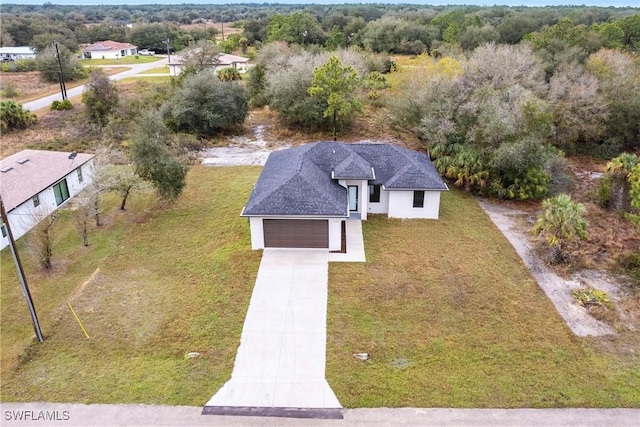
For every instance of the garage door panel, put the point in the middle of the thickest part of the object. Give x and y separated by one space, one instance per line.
296 233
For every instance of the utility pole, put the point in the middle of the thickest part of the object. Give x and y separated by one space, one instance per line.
168 50
23 281
63 87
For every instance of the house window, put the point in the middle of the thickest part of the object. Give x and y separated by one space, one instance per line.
4 231
418 199
61 191
79 171
36 201
374 193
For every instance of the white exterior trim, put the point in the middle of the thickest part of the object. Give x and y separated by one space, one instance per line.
401 204
109 54
257 231
25 216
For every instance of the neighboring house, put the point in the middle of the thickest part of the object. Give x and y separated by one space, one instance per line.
34 183
304 194
15 53
108 50
220 61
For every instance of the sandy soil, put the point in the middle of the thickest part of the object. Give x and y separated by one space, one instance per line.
509 221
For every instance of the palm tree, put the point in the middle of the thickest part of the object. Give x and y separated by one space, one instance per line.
561 221
620 169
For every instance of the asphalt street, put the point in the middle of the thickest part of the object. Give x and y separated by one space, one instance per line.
77 91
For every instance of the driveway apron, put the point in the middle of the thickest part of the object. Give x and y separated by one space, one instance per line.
280 364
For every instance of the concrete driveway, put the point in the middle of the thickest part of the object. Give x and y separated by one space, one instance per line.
280 365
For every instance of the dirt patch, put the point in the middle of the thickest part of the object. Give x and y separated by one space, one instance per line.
558 290
263 136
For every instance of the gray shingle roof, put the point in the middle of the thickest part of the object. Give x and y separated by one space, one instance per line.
298 181
30 171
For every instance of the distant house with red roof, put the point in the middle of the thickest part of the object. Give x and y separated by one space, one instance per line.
108 49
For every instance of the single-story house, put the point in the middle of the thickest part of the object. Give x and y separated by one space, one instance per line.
17 52
218 62
108 49
305 194
34 183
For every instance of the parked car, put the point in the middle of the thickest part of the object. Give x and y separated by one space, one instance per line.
146 52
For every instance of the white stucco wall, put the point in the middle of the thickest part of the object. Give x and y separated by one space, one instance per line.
401 205
257 232
24 216
335 234
111 54
379 208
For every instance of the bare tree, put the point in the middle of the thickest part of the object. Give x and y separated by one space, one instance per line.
39 242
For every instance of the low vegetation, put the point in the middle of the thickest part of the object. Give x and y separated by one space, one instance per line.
450 317
155 283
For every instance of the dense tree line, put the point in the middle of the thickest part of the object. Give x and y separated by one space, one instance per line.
409 29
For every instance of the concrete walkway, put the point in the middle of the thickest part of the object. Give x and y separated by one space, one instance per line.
67 415
355 244
280 364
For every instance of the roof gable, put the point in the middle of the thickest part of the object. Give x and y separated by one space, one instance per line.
41 169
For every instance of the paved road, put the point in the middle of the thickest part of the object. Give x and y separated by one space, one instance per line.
67 415
76 91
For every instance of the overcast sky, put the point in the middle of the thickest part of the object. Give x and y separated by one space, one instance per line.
603 3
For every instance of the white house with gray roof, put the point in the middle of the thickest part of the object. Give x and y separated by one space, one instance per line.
34 183
305 194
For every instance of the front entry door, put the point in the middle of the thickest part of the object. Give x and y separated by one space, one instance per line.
353 198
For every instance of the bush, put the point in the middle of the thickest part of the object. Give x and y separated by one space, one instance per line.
13 116
49 67
590 296
10 90
229 74
100 97
20 66
605 184
206 106
630 264
61 105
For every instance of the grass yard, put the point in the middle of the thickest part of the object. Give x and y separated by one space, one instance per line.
171 280
157 70
127 60
446 309
452 318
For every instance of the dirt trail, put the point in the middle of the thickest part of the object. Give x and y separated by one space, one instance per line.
555 287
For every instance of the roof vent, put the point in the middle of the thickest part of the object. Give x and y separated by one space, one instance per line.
7 169
23 160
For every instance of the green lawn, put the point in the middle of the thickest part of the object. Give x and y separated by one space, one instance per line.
171 281
452 318
446 309
127 60
158 70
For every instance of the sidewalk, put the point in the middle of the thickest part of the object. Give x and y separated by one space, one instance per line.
147 415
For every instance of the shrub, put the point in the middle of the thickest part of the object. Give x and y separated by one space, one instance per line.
590 296
100 97
604 191
61 105
206 106
228 74
13 116
630 264
10 90
50 68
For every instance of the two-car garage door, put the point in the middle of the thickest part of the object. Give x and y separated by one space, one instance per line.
295 233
